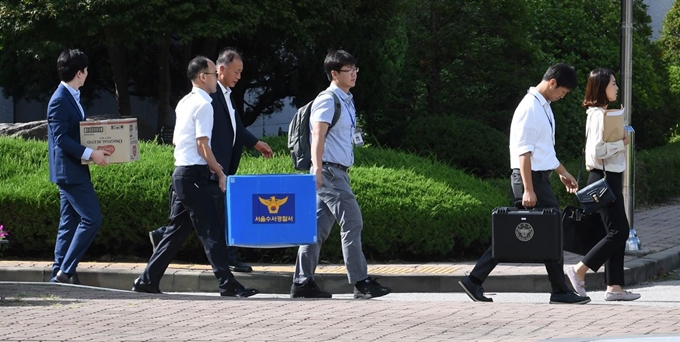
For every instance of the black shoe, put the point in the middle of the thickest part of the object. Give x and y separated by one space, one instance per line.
475 292
62 277
239 292
74 279
238 266
308 289
155 237
369 288
140 286
568 298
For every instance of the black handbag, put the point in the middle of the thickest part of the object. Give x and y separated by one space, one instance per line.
581 231
596 195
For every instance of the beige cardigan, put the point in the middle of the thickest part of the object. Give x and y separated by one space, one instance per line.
613 154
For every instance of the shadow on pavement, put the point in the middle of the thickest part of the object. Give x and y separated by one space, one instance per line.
48 294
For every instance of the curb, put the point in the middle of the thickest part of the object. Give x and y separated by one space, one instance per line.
178 280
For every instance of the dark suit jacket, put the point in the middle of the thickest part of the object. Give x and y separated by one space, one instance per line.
63 139
223 134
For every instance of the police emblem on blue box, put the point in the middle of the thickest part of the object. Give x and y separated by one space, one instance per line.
273 208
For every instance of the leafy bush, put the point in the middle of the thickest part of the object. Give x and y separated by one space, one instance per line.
657 173
413 208
463 143
133 198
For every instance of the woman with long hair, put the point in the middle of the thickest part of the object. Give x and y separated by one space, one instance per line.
605 158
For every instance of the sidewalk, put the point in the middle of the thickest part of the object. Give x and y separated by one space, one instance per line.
657 229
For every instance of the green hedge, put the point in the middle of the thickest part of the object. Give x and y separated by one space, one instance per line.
133 199
657 173
414 208
461 143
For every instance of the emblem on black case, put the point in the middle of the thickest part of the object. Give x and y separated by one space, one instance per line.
524 232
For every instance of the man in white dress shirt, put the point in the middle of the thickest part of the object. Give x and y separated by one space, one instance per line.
193 207
229 137
533 159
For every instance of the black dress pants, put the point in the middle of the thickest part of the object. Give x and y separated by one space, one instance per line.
192 209
612 248
545 199
220 205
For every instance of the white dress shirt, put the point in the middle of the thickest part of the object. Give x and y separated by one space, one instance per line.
194 119
76 96
232 112
533 130
597 150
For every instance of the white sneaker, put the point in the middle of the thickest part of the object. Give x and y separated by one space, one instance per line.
621 296
579 286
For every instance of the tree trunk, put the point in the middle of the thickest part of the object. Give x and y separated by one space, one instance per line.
119 70
163 80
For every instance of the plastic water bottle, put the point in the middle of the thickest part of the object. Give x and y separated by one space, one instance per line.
633 242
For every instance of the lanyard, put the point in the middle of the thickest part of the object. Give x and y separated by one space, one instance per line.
351 116
552 128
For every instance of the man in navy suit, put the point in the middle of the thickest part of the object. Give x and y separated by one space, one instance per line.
80 213
229 136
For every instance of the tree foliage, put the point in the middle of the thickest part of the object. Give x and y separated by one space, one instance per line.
583 34
587 37
464 58
469 59
142 48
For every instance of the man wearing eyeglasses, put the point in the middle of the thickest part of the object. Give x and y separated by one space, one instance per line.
193 207
228 139
332 152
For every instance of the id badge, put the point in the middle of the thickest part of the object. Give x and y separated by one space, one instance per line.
358 138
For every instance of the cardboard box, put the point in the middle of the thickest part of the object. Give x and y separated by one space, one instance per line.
118 136
271 211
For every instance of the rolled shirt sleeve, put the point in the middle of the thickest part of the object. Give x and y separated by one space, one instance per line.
204 121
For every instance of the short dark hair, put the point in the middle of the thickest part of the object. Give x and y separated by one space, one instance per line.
71 61
196 66
228 55
565 75
596 88
336 59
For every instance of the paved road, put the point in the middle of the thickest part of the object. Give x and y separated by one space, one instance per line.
53 312
34 310
660 294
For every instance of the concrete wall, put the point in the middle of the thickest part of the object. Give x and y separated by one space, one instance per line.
6 109
268 125
142 108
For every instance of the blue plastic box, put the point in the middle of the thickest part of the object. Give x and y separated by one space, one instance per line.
271 211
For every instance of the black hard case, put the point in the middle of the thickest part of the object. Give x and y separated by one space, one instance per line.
526 236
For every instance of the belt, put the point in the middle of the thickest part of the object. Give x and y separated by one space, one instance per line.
336 165
534 171
194 166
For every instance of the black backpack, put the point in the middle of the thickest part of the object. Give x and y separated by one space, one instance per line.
298 133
